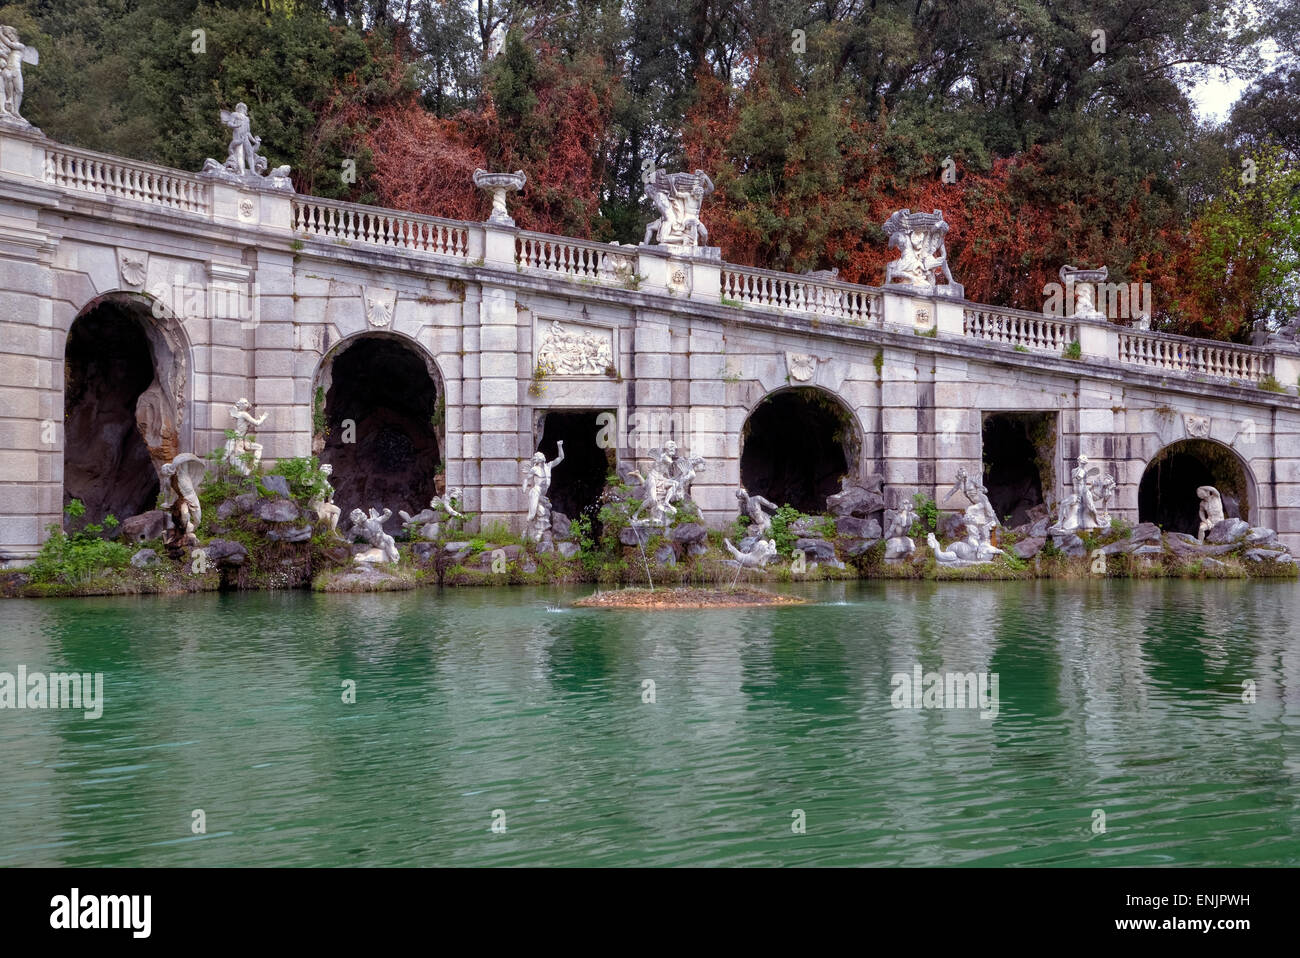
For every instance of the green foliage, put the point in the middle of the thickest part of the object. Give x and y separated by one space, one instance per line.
1270 384
76 558
305 478
1073 351
782 519
319 425
1120 528
879 362
927 512
1020 349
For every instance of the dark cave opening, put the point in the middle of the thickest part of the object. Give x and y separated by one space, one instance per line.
1017 449
108 364
1167 493
577 482
795 449
392 460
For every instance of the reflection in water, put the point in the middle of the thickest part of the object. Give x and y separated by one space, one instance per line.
1120 696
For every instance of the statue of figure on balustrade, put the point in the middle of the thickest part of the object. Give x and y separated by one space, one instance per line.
678 198
921 241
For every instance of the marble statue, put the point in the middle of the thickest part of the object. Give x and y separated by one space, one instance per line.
371 528
981 518
242 453
753 506
13 54
428 522
667 482
324 507
1211 511
757 556
1085 507
537 479
1083 281
575 353
968 551
920 239
898 523
1286 335
677 197
183 476
499 184
243 163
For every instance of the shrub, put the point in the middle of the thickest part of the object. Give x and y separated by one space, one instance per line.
306 481
72 559
927 512
1073 351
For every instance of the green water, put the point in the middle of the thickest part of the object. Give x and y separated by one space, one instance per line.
1124 697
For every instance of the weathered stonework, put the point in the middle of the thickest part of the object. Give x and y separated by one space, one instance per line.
259 293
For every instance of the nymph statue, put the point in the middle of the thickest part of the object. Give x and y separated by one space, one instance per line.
1085 507
981 518
428 522
898 544
758 555
1211 511
241 446
968 551
13 54
753 506
677 197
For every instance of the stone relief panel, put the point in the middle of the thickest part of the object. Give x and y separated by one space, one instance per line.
568 349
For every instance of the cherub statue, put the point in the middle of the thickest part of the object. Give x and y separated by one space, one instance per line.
371 528
898 523
324 507
242 443
759 555
668 481
1211 511
183 476
13 54
753 506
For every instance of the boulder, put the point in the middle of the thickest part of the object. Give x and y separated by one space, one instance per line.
1121 547
277 484
1039 529
146 526
1070 544
1263 555
688 533
239 505
665 556
1259 537
899 548
806 526
277 510
634 535
816 549
528 566
852 527
697 549
1148 551
855 501
952 525
1028 548
1227 530
548 545
1146 532
567 549
451 548
292 534
1212 564
560 525
223 552
424 551
858 548
144 558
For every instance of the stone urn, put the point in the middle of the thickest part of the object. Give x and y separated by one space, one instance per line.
499 184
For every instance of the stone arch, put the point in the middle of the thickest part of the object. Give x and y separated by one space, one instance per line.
1167 492
126 402
797 444
392 455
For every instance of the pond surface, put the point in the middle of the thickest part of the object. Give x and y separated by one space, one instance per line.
476 706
